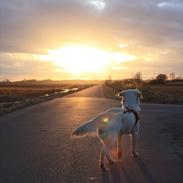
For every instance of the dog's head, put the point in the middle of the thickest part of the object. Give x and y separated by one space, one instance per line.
131 99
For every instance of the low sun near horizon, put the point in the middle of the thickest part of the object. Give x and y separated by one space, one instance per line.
80 58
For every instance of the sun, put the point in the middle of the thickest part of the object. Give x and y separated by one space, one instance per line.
83 58
78 58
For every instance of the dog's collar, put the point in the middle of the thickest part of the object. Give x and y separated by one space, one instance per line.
137 117
136 114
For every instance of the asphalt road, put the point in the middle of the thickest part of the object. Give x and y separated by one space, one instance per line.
35 144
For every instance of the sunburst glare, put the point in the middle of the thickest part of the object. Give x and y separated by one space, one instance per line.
83 59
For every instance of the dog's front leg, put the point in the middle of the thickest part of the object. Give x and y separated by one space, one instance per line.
119 148
134 143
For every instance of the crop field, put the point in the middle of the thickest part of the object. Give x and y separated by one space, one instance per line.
14 97
10 94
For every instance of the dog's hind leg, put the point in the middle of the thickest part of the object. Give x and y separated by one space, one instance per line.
105 154
134 143
108 145
119 148
102 159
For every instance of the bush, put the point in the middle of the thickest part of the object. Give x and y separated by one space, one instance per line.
160 80
161 77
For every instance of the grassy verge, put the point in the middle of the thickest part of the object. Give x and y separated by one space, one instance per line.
162 94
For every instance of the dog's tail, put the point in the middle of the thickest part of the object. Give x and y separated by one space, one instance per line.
87 128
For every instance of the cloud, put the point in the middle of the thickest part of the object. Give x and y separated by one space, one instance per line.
22 26
171 5
97 4
145 27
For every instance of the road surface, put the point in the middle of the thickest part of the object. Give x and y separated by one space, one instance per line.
35 144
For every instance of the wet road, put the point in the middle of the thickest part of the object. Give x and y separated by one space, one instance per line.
35 144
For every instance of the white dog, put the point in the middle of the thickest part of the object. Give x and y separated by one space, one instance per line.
113 123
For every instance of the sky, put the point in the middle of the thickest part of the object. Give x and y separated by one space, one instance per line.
90 39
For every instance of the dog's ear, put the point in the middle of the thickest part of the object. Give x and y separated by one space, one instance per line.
139 94
120 94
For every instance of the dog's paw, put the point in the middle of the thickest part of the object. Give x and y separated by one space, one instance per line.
135 154
102 167
111 162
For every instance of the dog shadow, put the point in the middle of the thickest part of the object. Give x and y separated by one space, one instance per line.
144 170
119 173
112 176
